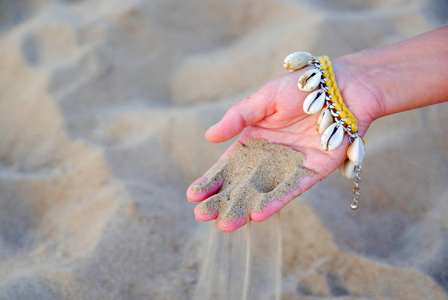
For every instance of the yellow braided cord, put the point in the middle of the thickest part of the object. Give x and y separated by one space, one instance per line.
336 99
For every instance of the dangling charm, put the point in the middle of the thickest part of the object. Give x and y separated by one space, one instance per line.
324 121
356 151
356 193
347 169
309 80
332 137
314 102
297 60
335 118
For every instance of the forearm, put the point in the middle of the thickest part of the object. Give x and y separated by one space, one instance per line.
407 75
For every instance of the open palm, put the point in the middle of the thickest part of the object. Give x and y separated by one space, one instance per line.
275 113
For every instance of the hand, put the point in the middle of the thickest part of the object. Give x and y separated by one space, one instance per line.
275 113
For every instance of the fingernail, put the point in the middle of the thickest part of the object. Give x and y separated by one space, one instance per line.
212 127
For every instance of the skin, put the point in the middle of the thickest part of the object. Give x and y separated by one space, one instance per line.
373 83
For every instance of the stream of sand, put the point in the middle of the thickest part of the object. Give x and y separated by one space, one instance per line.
245 264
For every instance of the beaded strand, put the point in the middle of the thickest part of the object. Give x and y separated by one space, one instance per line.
332 89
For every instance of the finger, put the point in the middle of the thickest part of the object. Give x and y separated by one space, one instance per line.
207 210
229 225
202 189
270 209
233 214
246 113
305 183
207 185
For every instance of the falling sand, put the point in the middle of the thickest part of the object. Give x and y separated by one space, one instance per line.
255 174
245 264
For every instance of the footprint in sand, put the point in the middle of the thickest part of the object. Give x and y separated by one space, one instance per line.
254 181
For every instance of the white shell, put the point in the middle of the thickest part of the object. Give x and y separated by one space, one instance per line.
332 137
347 169
314 102
309 80
325 120
356 151
297 60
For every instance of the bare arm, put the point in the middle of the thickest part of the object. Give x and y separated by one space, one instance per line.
407 75
373 83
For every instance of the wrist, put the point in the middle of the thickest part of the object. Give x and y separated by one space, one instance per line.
360 89
402 76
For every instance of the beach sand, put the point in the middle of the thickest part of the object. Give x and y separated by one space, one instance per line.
103 107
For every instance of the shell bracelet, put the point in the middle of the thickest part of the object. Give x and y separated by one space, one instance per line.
335 118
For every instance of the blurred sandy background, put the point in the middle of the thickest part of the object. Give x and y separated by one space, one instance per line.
103 106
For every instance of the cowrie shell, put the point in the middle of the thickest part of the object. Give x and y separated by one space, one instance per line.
332 137
356 151
297 60
314 102
325 120
309 80
347 169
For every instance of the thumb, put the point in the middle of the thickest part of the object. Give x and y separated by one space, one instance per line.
246 113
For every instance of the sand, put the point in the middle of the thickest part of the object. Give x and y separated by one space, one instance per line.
254 174
103 106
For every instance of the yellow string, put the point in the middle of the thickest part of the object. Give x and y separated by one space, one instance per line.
336 99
